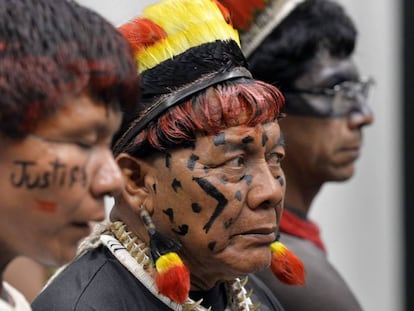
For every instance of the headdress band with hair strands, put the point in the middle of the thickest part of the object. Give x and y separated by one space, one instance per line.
257 19
170 100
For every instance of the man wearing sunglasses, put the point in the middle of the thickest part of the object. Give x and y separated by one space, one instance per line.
305 48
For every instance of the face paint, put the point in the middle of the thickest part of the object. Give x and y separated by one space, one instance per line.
280 180
238 195
264 139
154 187
192 161
46 206
170 213
168 160
212 245
213 192
196 208
176 184
248 179
219 139
182 230
247 140
55 177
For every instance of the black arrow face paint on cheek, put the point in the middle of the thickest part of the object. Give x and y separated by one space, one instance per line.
212 191
192 161
170 213
176 184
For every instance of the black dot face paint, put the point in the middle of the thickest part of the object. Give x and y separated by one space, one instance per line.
196 208
280 180
238 196
247 140
265 138
228 223
224 180
212 245
168 160
219 139
192 161
170 213
176 184
206 169
248 179
182 230
212 191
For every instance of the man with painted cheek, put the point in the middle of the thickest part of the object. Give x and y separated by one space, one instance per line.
66 76
201 160
305 47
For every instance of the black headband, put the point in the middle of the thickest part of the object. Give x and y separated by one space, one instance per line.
169 100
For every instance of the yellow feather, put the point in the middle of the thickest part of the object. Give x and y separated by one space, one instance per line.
188 23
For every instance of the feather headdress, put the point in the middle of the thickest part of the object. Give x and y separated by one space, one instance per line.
255 19
181 47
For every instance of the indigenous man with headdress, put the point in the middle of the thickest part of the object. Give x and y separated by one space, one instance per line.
204 188
305 48
66 75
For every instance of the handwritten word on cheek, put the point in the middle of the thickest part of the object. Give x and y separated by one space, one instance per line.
58 174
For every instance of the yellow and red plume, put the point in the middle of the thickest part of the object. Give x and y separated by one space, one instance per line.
193 23
286 266
173 277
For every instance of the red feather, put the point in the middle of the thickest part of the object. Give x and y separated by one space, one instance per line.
174 283
141 33
286 266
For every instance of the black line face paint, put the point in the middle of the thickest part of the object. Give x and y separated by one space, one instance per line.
212 245
280 180
212 191
192 161
59 174
196 208
168 160
176 184
219 139
265 138
247 140
228 223
170 213
154 187
182 230
238 196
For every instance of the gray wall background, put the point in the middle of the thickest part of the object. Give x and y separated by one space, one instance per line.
361 219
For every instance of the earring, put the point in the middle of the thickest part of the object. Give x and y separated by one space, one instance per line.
285 265
173 277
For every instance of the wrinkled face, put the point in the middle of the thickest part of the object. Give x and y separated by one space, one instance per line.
222 200
53 182
323 148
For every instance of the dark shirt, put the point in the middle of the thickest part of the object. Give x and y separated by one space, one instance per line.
98 281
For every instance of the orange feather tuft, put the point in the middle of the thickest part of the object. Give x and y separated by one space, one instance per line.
141 33
244 12
286 266
173 277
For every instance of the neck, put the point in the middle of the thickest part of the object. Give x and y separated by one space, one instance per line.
300 195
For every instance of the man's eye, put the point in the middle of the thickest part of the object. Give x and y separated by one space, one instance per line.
84 145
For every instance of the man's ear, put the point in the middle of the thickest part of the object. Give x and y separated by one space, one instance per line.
134 172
